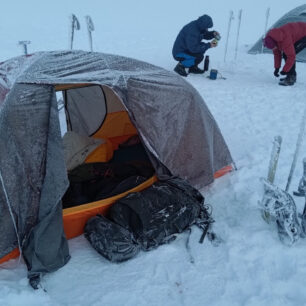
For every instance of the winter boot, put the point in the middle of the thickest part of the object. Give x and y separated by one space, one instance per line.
180 69
288 81
196 70
284 78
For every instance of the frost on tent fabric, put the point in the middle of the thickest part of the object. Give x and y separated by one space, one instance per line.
168 115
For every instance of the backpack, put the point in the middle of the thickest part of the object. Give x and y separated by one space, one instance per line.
144 220
156 214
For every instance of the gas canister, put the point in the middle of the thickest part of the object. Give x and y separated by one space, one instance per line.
213 74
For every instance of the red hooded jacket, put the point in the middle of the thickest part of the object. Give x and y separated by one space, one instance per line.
285 37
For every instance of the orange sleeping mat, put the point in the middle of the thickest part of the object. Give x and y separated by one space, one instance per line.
103 153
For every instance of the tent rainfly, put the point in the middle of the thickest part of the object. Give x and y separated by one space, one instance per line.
166 113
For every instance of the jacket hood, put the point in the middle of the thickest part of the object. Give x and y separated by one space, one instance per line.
204 22
276 34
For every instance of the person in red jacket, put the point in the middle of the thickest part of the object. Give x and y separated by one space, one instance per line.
286 41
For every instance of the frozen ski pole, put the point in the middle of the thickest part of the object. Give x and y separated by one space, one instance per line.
24 43
271 173
238 30
297 148
231 17
301 192
304 168
266 25
90 28
74 25
274 158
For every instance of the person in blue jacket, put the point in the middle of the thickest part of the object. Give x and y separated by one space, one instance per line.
188 48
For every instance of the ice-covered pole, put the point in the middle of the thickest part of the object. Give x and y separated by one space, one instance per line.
302 185
74 25
24 43
238 31
90 28
274 158
266 26
231 17
297 149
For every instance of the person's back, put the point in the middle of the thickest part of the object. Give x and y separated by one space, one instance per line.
286 41
288 34
190 37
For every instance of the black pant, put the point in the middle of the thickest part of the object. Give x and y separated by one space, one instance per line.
298 47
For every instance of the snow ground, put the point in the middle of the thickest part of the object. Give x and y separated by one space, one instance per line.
252 267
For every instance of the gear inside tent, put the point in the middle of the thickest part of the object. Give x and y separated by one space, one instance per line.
297 14
127 124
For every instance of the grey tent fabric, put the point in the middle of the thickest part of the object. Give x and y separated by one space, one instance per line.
296 15
46 247
171 118
33 170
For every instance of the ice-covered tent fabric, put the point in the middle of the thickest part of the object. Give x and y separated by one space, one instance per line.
296 15
33 178
170 116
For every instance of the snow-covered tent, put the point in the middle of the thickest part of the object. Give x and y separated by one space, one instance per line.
169 116
296 15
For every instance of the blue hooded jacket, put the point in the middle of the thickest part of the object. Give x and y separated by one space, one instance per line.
189 39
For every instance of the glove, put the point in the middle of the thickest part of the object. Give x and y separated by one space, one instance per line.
217 35
276 72
283 73
213 43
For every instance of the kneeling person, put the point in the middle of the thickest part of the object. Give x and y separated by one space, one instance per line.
188 48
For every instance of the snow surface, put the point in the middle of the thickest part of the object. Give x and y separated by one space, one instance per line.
252 267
